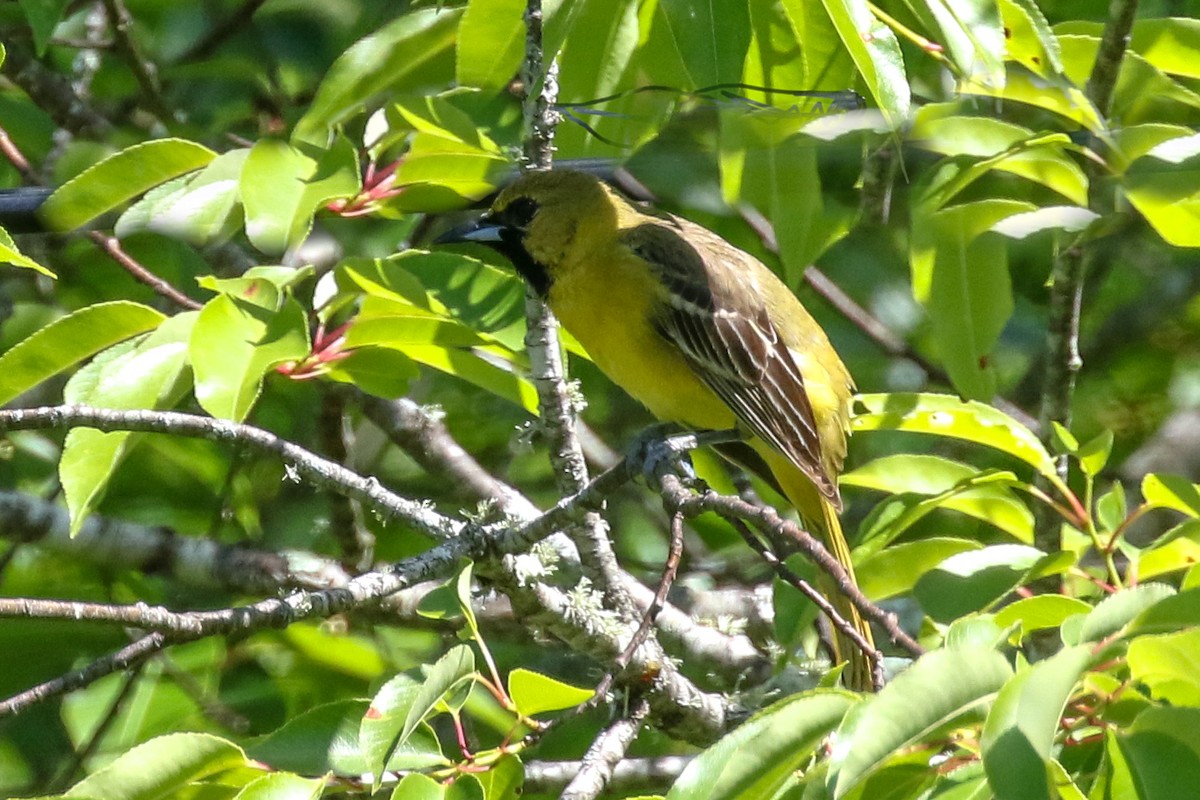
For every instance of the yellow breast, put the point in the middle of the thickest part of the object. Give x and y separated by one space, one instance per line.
607 306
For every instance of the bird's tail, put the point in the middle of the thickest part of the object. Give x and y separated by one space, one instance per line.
822 520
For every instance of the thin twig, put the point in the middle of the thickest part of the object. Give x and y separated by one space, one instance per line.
231 25
356 542
607 750
67 776
1070 270
768 520
548 372
121 23
112 247
319 471
125 658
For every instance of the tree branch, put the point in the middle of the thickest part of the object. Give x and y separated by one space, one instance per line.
606 752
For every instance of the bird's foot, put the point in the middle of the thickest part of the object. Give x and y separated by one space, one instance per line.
662 448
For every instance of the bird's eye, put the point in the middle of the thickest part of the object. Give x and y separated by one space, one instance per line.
519 213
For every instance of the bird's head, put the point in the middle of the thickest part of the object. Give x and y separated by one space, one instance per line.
544 221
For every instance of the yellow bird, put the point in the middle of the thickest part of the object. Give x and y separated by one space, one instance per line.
700 332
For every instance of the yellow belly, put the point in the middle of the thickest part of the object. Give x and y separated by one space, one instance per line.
609 313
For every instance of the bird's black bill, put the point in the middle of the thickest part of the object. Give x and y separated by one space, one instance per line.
505 240
480 231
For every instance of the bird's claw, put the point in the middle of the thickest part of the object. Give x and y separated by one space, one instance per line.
661 449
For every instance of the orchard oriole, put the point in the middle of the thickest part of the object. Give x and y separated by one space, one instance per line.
700 332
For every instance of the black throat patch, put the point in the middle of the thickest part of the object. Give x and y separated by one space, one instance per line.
512 247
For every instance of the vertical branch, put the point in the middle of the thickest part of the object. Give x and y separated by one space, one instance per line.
1070 268
558 408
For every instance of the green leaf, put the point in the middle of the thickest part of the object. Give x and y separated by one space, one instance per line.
1179 548
983 495
896 569
1093 456
70 339
131 376
282 186
761 164
1110 508
376 370
972 33
160 767
235 343
282 786
535 693
875 50
1030 42
961 277
1163 188
1172 491
491 43
597 51
452 669
380 737
1008 147
757 758
1020 728
11 254
1168 44
1058 96
945 415
487 374
504 781
415 786
1170 613
1039 612
1071 219
121 177
398 58
43 17
1115 611
712 38
199 209
971 581
939 688
318 740
1168 665
1161 753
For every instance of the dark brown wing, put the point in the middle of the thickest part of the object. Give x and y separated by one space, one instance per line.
712 312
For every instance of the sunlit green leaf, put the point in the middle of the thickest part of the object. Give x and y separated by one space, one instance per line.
121 177
11 254
970 581
535 693
143 375
198 209
233 346
490 43
1040 612
322 739
282 786
396 58
875 50
67 341
1020 728
945 415
1171 491
756 759
960 275
282 186
160 767
1168 665
940 686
